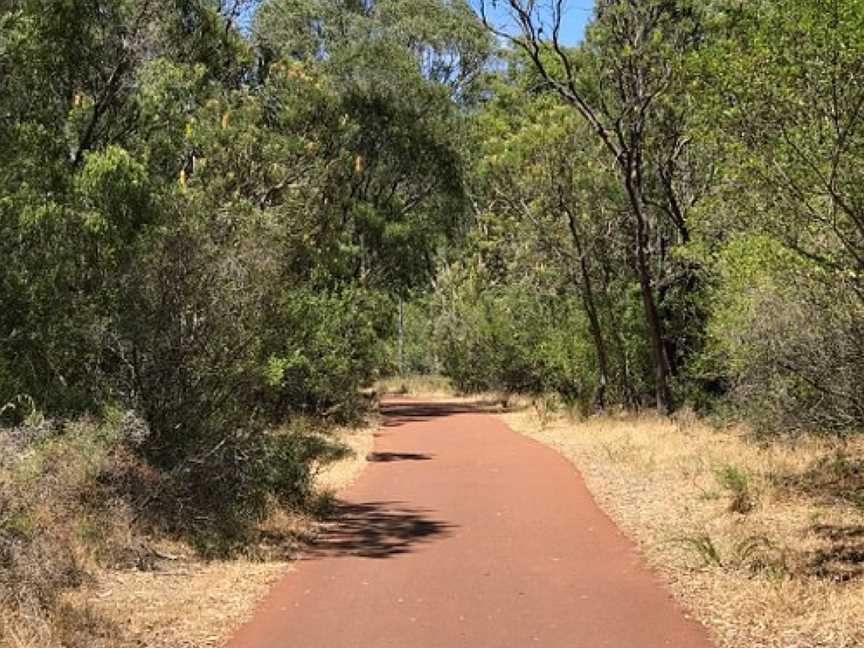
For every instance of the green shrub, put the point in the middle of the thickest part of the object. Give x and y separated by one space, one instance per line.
789 339
738 483
509 340
324 347
257 469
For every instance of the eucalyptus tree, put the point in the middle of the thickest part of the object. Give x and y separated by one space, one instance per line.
620 81
402 73
543 179
75 191
783 92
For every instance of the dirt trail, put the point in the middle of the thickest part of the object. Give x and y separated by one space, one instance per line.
463 534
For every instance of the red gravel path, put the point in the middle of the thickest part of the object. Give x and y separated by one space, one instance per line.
463 534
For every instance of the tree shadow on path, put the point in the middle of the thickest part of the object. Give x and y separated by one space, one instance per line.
375 530
398 413
389 457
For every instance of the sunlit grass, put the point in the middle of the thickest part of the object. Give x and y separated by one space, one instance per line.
756 553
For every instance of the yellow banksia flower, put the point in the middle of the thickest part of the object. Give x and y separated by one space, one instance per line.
224 121
182 180
359 164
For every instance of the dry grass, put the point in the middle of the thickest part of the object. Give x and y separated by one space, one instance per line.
179 600
188 604
339 475
200 605
764 544
416 387
55 522
440 388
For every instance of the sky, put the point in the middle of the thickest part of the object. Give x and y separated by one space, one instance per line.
577 13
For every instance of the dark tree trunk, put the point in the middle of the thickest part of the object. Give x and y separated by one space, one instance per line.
597 335
590 306
662 393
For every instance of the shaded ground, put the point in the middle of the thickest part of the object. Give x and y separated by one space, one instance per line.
461 533
376 530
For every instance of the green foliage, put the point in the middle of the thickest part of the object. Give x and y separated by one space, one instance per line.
690 174
419 352
328 347
258 469
783 231
210 229
737 482
786 334
114 194
232 233
514 341
446 40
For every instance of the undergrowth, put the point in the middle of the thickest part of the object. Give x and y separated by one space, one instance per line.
76 497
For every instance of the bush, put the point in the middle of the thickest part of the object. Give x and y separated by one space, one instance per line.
56 518
790 339
258 471
512 341
185 350
419 352
323 348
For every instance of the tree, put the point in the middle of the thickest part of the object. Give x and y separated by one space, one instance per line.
782 103
402 193
541 177
618 82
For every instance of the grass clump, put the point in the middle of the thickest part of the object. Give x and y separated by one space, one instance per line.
57 519
737 481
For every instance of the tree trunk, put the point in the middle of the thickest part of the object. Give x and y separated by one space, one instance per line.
597 335
662 394
655 334
630 396
593 318
401 338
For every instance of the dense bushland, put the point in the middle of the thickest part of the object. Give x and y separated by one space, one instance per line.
209 226
220 221
668 213
208 214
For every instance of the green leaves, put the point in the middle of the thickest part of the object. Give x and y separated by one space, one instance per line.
114 192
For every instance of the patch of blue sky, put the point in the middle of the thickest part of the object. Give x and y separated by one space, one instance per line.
576 15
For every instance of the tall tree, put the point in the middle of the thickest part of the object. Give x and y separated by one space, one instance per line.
618 81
